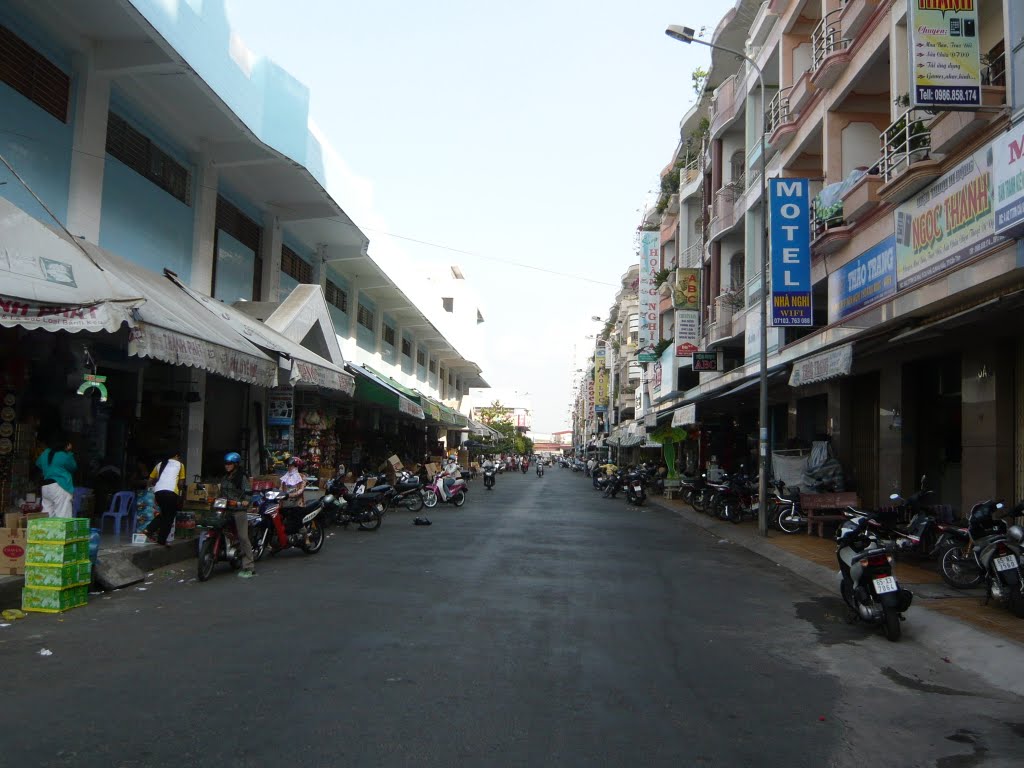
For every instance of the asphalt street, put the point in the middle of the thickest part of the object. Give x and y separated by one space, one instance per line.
539 625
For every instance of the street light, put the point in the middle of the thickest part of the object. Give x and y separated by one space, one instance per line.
686 35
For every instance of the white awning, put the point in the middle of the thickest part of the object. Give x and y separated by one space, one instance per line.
47 281
304 366
825 365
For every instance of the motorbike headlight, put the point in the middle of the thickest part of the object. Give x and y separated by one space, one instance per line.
220 504
328 499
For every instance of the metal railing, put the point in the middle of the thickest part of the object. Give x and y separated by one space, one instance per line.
778 111
827 38
993 70
823 219
904 142
691 257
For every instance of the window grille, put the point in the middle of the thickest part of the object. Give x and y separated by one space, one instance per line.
33 75
364 317
134 149
389 335
335 296
406 348
295 266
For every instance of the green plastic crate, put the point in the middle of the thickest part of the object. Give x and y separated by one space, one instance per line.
56 552
53 600
64 575
58 529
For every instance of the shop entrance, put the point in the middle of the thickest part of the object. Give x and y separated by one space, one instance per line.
864 439
937 427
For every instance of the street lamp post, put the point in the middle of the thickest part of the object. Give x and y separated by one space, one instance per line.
686 35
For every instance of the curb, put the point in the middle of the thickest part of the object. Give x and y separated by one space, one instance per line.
989 656
146 558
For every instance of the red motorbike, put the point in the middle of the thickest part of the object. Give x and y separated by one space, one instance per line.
446 490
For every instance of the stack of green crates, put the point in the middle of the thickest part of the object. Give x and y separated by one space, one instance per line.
57 567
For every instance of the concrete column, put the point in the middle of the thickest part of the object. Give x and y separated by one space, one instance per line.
891 478
196 419
378 330
987 417
353 309
204 226
832 161
270 254
85 188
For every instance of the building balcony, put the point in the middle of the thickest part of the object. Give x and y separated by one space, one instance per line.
905 164
779 125
829 231
829 51
854 16
762 25
723 209
951 129
691 178
724 105
691 257
862 198
801 93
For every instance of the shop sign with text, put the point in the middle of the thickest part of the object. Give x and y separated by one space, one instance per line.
705 361
948 223
687 332
1008 149
600 381
864 281
650 264
789 203
945 60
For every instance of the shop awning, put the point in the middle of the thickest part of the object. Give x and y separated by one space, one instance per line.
171 327
822 366
452 418
47 281
372 388
304 366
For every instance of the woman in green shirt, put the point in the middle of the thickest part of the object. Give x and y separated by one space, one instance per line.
57 463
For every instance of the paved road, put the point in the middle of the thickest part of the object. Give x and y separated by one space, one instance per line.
540 625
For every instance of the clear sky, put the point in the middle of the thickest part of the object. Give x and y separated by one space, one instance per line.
527 131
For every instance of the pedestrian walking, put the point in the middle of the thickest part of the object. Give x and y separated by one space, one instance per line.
57 463
168 481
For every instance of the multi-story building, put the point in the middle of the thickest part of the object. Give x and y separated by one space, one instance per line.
166 197
914 364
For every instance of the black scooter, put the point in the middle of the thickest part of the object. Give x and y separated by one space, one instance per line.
921 536
489 473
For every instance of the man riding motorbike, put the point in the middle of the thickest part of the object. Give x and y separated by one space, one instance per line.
235 486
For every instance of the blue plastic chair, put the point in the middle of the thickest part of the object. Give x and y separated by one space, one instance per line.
77 498
121 506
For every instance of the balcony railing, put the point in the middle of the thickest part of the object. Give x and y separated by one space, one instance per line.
827 38
993 70
904 142
778 111
691 257
824 218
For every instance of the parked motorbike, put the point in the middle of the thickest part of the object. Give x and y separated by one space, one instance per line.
921 534
734 498
408 492
635 484
361 505
219 541
867 585
789 517
489 477
612 484
282 527
446 490
693 491
993 556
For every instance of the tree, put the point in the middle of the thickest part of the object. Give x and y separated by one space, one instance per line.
499 418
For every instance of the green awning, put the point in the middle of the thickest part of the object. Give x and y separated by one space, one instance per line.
432 409
372 388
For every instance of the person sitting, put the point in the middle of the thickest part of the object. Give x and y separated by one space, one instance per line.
293 483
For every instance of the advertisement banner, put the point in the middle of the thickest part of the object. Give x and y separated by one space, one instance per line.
789 209
867 279
687 332
1008 150
280 407
948 223
705 361
687 290
945 60
600 381
650 264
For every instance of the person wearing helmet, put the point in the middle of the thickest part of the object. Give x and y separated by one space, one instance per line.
235 485
293 483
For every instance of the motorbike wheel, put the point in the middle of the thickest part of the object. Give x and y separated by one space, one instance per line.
373 523
697 501
429 498
207 559
892 625
259 545
459 498
959 570
787 526
413 502
316 537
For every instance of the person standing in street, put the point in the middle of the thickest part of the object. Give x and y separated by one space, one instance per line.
57 463
235 486
168 479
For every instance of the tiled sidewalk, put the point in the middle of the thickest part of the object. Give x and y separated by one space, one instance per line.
923 579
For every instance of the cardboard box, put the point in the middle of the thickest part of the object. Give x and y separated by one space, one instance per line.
431 470
58 529
13 542
201 491
60 576
53 600
56 552
395 462
12 520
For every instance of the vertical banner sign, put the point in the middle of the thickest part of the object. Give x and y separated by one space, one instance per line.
600 382
789 206
944 57
650 263
686 299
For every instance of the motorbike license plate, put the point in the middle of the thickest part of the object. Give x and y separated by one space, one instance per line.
1007 563
885 584
637 488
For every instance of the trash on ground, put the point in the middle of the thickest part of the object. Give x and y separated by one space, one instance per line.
45 652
